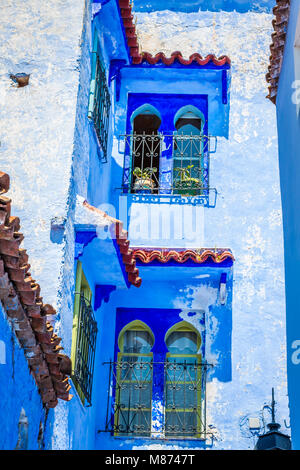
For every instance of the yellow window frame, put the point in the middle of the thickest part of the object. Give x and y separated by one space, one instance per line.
81 288
133 326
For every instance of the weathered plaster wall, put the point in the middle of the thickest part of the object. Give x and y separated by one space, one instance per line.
38 121
18 390
46 147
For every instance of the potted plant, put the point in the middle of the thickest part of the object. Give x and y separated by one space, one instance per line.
143 180
186 185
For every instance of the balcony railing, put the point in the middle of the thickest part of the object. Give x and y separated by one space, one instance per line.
174 164
85 348
179 408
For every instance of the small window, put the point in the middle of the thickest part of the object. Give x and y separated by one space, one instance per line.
100 104
134 381
83 338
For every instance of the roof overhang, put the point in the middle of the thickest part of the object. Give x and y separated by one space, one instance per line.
103 248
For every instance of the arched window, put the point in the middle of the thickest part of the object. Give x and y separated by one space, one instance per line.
183 382
134 380
146 149
188 155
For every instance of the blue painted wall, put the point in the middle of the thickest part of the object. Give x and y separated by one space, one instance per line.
170 293
289 144
18 390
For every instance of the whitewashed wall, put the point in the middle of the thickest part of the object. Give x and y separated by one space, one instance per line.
38 121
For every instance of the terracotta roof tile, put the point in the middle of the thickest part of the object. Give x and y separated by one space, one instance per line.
177 57
280 23
20 296
139 57
164 255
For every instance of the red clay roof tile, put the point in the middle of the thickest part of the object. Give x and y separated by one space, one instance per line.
163 255
280 24
20 296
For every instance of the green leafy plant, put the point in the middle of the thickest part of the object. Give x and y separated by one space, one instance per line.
144 174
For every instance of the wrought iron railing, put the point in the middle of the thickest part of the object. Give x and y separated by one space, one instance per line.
165 400
101 109
167 164
85 348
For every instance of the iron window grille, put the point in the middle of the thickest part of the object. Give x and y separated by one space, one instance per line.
130 410
85 348
101 108
187 174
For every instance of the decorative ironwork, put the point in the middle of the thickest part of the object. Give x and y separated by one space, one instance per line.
146 171
101 110
85 348
131 412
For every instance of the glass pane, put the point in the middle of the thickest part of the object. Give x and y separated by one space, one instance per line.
182 342
139 342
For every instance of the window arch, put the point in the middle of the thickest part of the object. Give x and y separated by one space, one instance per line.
182 339
146 150
189 115
136 338
183 382
134 380
188 155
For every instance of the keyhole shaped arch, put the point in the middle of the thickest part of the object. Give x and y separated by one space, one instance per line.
148 112
184 327
191 114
